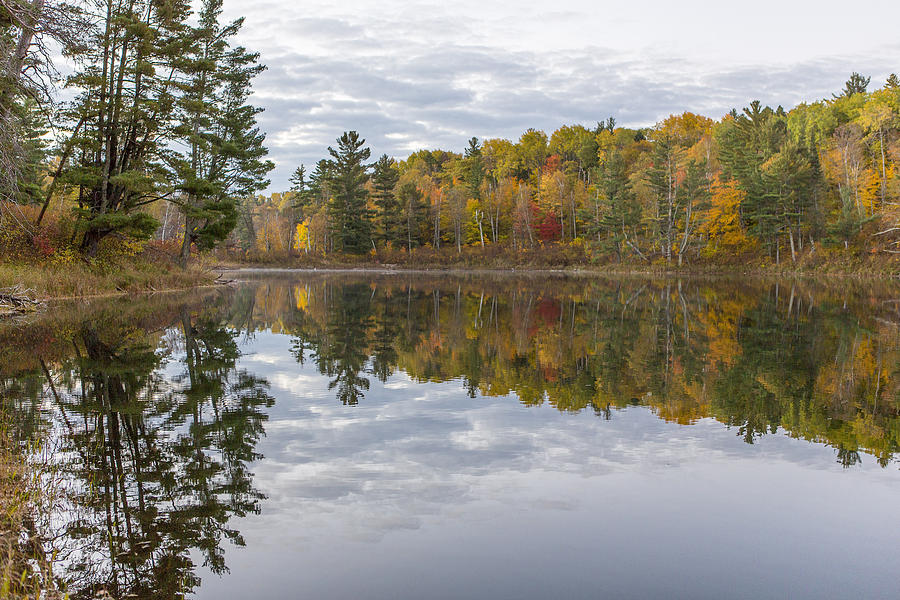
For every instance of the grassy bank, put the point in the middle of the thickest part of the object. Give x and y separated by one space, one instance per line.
50 264
85 279
70 275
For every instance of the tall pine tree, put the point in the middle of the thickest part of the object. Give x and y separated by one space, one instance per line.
390 222
224 160
125 108
618 208
350 221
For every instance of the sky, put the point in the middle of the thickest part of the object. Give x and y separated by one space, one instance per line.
426 74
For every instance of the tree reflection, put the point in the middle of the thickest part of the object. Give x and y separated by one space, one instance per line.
759 360
156 466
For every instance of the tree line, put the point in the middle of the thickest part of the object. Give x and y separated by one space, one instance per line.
761 181
159 140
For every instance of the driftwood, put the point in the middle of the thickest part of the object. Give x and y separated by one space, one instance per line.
17 301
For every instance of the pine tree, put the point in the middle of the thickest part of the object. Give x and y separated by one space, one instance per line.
299 188
350 221
619 212
857 84
384 178
33 154
474 168
225 160
747 142
125 108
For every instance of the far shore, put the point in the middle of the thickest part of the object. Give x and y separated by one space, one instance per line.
691 271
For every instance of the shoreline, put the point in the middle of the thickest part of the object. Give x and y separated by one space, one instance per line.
210 275
580 271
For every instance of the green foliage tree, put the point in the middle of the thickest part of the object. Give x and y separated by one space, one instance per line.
857 84
617 211
350 219
747 142
127 103
32 156
473 168
224 161
385 176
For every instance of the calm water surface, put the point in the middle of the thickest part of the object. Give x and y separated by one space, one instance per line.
403 436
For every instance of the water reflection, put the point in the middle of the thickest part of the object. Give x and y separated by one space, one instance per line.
755 358
401 395
154 436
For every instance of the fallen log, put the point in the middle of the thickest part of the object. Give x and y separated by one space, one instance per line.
17 301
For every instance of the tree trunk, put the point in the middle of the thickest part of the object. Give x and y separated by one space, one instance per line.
18 60
185 255
90 243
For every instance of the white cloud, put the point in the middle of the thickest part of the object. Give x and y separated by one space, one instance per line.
408 75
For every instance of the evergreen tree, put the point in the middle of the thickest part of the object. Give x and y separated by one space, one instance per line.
321 183
857 84
619 212
225 158
126 106
33 154
747 142
384 179
299 188
350 221
474 168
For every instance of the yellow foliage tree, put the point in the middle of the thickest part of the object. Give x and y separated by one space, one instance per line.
722 227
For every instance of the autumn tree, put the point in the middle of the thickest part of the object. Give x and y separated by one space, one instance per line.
411 201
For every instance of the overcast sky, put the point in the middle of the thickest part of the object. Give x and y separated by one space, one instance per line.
427 74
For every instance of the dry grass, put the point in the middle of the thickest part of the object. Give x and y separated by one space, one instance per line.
83 279
25 571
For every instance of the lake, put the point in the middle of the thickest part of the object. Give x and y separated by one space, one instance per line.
414 435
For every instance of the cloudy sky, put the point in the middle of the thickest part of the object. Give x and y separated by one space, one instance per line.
426 74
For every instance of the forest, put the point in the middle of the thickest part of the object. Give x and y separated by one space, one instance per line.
759 183
149 147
